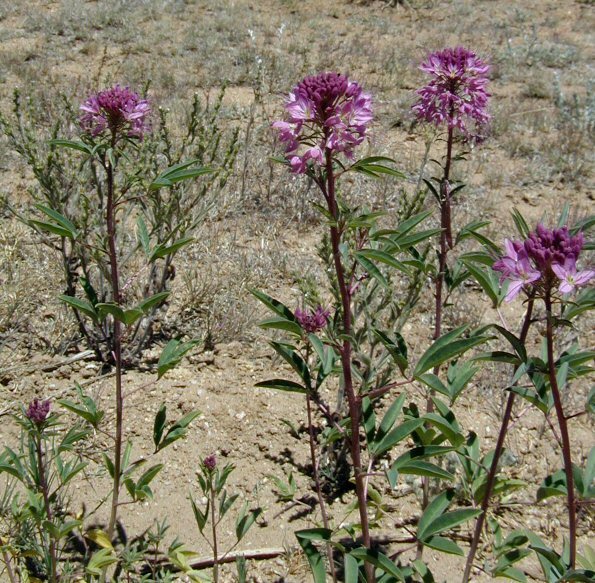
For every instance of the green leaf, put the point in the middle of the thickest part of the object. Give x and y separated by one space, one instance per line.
488 280
73 145
81 305
177 173
433 511
282 385
200 517
421 468
371 167
159 424
274 305
61 220
379 560
295 360
282 324
315 558
371 269
390 416
177 430
447 521
146 305
163 250
142 234
393 437
245 520
396 348
51 228
444 545
553 485
449 428
172 354
100 560
386 258
445 348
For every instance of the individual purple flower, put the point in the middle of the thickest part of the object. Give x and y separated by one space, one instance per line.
325 112
570 278
456 93
312 321
516 268
210 462
38 411
545 259
117 110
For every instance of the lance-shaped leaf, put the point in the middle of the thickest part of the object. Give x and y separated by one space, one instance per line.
177 173
163 250
295 360
379 560
276 306
127 317
448 346
142 234
383 257
153 301
177 430
73 145
400 432
172 354
61 225
488 280
82 306
374 166
315 558
282 385
371 269
396 348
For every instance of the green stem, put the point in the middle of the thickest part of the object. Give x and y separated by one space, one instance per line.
566 452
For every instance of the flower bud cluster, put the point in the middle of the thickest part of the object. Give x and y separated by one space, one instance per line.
545 259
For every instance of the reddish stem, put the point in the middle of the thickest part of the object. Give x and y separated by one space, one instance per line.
566 453
496 459
345 353
117 344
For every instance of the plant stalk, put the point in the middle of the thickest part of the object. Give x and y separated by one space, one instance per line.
43 487
213 496
562 423
316 476
117 345
485 503
445 246
352 399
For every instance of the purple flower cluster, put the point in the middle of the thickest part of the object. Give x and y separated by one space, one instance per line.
546 258
325 112
312 321
457 91
210 462
38 411
117 110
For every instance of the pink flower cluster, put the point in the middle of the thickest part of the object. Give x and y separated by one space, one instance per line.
117 110
325 113
312 321
38 411
456 92
546 258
